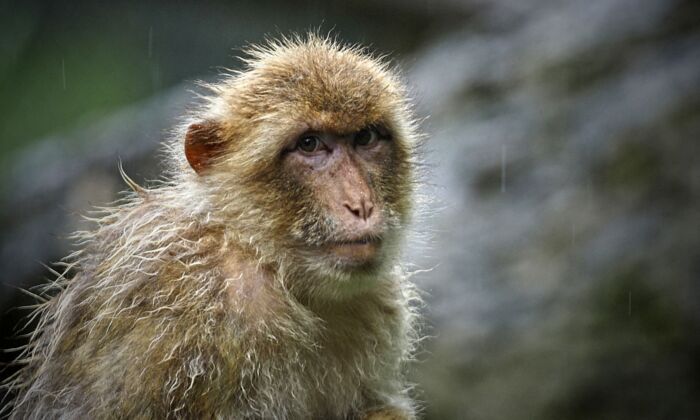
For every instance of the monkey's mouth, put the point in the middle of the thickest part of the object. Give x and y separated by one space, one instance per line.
356 251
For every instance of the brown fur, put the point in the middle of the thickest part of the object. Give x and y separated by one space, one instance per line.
198 298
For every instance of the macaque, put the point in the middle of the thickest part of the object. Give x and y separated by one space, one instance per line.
262 278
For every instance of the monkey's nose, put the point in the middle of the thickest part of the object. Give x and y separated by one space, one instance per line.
362 209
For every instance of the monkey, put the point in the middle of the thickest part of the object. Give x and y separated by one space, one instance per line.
261 277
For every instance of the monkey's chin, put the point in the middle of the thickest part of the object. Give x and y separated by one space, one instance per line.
346 269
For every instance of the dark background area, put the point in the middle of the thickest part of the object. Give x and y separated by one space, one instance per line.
558 246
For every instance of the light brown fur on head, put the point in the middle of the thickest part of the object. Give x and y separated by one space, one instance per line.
215 294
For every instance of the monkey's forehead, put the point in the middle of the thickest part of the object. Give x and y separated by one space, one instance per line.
337 89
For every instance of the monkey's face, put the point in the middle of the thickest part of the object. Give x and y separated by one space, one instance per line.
333 180
331 199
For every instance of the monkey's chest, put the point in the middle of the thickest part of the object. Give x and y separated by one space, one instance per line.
324 379
330 388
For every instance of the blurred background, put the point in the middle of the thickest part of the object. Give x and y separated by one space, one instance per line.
563 264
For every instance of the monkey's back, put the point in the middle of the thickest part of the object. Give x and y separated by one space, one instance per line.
117 333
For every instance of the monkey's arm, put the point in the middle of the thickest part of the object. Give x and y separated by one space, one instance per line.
388 414
399 407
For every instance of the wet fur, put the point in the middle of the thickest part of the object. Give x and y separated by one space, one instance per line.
194 299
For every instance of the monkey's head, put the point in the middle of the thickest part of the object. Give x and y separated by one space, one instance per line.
307 157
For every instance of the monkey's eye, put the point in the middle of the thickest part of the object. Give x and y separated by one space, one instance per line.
309 144
366 137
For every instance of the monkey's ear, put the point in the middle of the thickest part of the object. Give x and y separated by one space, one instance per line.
203 144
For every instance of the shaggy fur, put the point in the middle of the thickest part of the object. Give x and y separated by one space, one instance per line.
198 297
